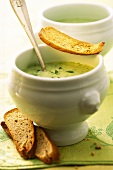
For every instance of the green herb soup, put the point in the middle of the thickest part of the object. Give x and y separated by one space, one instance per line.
59 69
76 20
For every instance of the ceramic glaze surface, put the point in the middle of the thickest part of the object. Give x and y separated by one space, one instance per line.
100 27
61 106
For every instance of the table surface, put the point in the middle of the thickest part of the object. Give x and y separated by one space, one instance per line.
13 40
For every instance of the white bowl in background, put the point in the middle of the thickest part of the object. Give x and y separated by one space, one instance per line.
97 27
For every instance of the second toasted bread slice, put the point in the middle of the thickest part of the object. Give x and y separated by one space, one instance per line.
21 129
46 150
65 43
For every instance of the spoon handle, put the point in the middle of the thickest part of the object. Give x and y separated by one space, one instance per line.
20 9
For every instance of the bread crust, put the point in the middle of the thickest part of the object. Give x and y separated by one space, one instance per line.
65 43
4 126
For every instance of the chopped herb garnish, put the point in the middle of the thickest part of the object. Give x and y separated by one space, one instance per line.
60 67
38 70
56 71
70 71
35 64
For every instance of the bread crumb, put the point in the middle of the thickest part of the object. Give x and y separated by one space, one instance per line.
98 147
95 143
92 153
86 139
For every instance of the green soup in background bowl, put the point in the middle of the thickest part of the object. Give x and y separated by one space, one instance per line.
76 20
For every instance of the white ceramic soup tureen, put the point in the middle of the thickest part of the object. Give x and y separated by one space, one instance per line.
60 105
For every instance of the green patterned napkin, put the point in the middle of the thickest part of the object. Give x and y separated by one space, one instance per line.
97 148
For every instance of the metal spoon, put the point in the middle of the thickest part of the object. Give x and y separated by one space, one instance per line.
20 9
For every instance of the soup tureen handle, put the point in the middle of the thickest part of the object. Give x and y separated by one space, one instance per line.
90 102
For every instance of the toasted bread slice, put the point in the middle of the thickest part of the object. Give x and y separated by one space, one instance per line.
46 150
21 129
65 43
